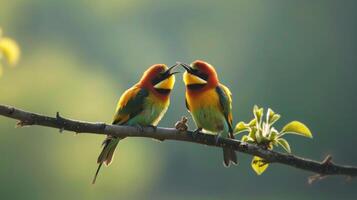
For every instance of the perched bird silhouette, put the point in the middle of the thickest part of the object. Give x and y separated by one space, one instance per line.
144 104
210 103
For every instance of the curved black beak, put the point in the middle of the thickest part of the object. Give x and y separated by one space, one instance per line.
187 67
168 72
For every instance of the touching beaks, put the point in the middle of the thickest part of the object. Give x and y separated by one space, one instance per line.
187 67
168 72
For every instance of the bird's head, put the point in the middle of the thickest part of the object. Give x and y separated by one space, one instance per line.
199 74
159 78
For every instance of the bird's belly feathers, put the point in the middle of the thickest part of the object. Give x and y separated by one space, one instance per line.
205 111
210 119
152 113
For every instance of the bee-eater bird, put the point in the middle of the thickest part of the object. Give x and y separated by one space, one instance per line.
210 103
144 104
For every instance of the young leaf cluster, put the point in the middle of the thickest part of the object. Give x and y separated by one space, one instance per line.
262 132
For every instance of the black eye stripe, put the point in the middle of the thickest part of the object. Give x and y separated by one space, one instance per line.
200 74
158 79
203 76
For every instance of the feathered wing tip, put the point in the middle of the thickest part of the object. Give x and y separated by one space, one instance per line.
106 156
229 156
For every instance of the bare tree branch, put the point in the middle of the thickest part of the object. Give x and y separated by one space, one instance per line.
322 169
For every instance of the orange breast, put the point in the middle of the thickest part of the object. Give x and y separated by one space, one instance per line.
202 99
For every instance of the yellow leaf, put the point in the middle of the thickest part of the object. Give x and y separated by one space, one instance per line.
246 138
282 142
1 70
258 113
298 128
252 133
252 123
241 127
259 165
10 49
270 114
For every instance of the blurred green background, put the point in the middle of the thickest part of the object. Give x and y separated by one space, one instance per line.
297 57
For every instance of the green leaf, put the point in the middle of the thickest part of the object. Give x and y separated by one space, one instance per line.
273 134
270 114
241 127
255 108
258 113
258 136
265 129
298 128
282 142
246 138
272 117
252 123
259 165
252 133
275 142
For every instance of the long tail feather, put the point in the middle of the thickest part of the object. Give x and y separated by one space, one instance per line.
229 155
106 156
96 173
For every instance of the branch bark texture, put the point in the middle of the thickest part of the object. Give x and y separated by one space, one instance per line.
324 168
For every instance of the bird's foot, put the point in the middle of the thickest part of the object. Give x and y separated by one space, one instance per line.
196 132
139 128
153 127
217 137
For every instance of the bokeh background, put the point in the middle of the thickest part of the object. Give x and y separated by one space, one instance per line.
297 57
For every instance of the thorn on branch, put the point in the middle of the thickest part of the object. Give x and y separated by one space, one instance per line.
327 161
60 121
58 116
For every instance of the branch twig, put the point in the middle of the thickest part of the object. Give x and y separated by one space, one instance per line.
322 169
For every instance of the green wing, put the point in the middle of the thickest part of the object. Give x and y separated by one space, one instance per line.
187 106
225 100
130 105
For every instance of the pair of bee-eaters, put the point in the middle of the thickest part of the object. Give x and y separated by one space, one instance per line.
144 104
